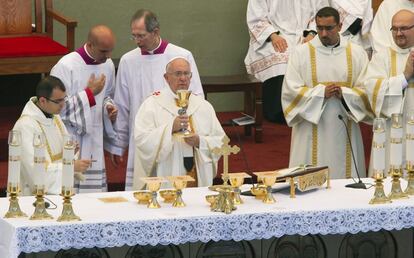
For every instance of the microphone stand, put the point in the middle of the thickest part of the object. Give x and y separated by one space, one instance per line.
359 184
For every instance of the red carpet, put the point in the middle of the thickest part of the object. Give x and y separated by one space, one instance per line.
272 154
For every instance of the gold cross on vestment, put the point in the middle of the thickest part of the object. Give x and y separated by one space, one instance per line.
226 150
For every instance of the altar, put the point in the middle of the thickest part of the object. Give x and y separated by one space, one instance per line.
336 222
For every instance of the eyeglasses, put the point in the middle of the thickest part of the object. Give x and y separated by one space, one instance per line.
57 101
178 74
327 28
401 29
138 36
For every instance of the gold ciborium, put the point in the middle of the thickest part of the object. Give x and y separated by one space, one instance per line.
259 191
225 200
40 212
396 191
14 207
379 194
143 197
268 179
211 199
183 97
168 195
410 184
67 212
237 180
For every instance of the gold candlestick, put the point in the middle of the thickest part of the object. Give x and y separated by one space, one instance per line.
67 212
410 184
379 194
14 207
396 191
40 212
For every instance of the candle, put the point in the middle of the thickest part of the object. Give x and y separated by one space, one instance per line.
378 147
39 160
409 134
68 163
396 140
14 158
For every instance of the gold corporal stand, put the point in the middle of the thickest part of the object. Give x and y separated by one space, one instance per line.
237 180
14 207
153 185
40 212
179 183
67 212
379 194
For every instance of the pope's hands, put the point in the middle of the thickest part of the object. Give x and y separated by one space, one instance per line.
193 141
180 122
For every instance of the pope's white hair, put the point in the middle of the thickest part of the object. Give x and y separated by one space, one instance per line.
175 58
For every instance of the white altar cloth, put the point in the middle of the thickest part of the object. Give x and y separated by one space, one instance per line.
338 210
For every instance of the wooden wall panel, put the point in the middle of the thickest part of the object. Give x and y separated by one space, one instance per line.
15 17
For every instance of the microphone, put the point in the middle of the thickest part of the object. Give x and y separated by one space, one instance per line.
359 184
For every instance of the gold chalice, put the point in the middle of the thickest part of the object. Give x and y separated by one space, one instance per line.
153 187
268 179
236 181
179 183
169 195
183 97
143 197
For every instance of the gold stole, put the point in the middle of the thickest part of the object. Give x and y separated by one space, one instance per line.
348 84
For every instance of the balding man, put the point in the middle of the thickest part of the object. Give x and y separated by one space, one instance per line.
89 77
380 36
390 71
159 151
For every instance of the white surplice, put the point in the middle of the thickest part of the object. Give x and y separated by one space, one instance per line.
380 31
384 82
160 153
137 78
318 136
86 123
288 17
349 11
33 120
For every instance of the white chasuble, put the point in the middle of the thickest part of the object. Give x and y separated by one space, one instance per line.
380 31
318 136
385 83
290 18
159 153
84 121
139 75
32 121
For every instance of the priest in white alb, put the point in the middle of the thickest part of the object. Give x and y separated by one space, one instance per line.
321 85
389 72
380 30
276 27
89 77
356 17
41 115
140 73
159 150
